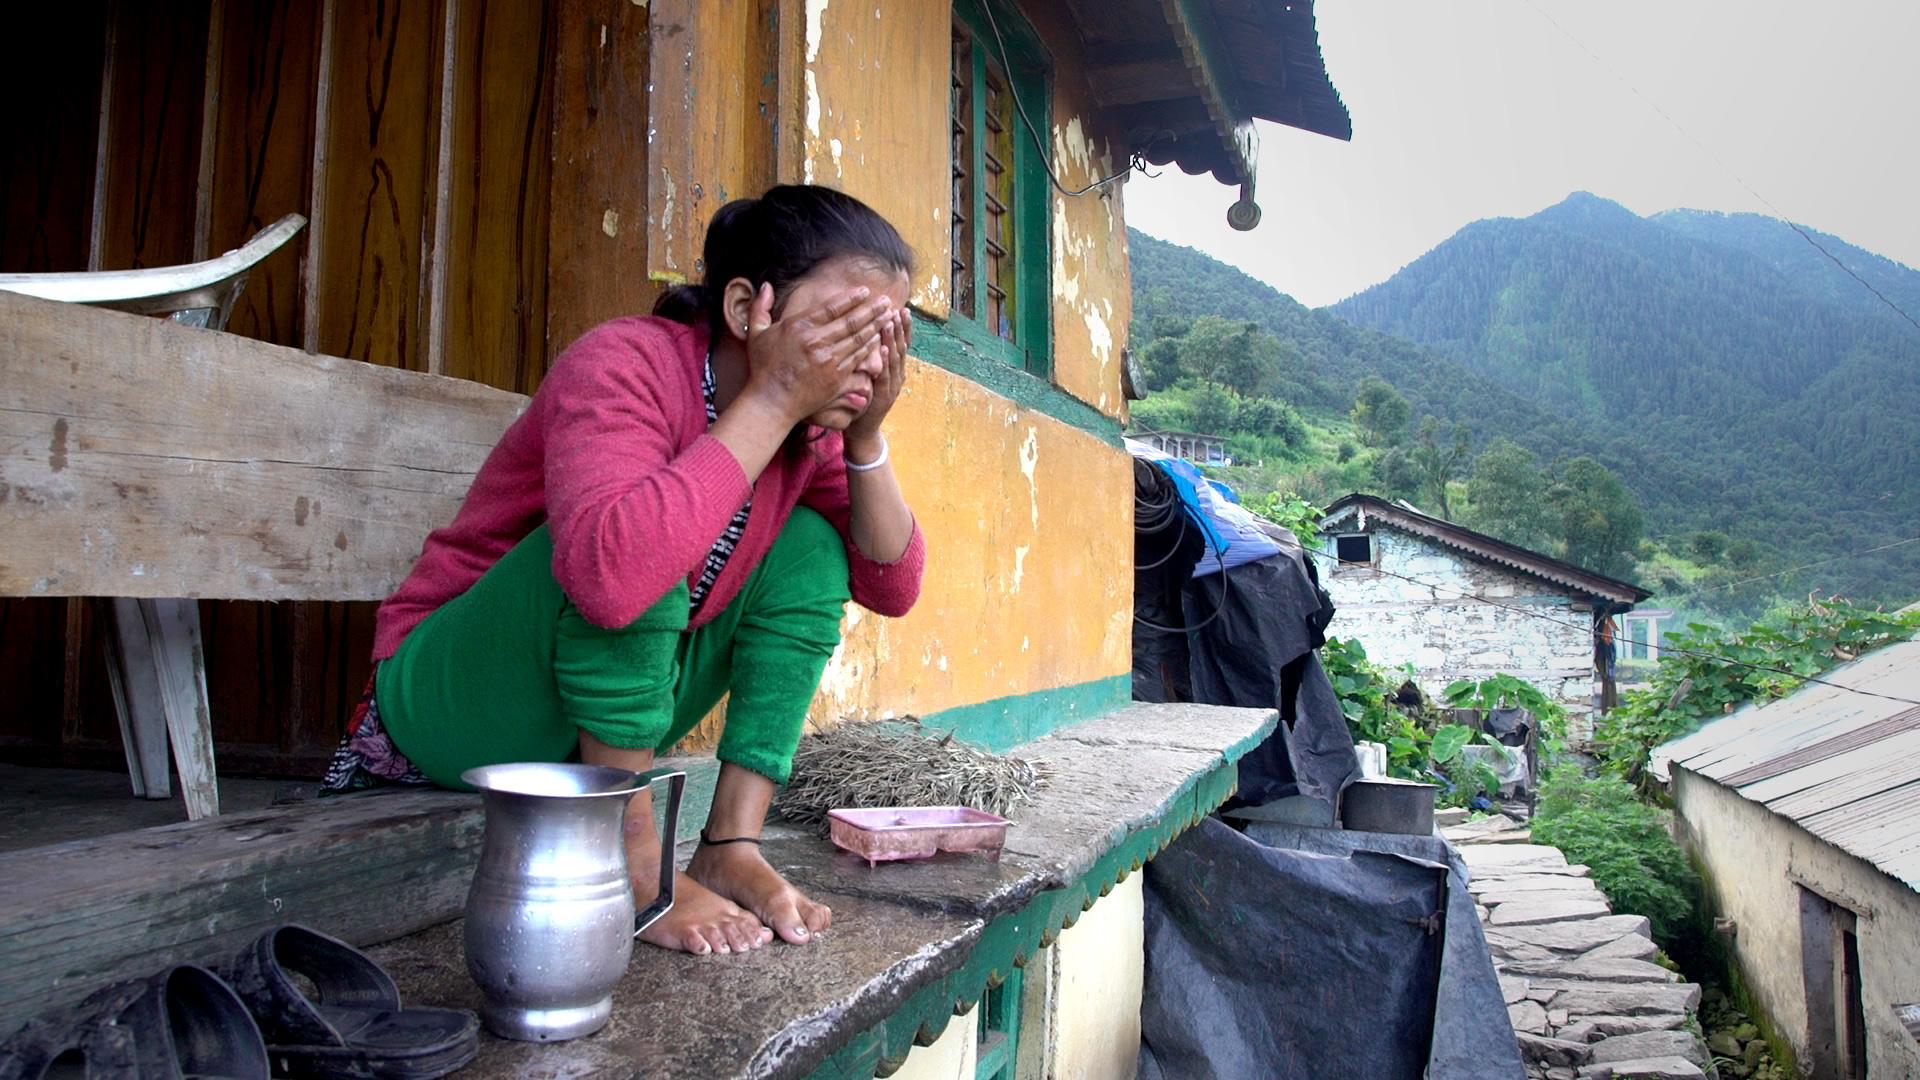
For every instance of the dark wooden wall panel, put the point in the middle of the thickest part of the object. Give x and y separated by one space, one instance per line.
219 116
374 201
599 224
46 160
263 151
156 94
46 224
493 313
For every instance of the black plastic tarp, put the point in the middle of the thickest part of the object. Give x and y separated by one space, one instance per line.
1257 629
1317 953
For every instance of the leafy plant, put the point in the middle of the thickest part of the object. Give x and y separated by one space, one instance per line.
1705 672
1448 741
1420 745
1625 843
1503 691
1290 511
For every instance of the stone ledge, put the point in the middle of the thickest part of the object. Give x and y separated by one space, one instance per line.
912 943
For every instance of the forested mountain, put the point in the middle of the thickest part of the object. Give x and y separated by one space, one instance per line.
1739 383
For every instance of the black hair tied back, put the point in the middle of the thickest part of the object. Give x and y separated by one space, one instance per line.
778 239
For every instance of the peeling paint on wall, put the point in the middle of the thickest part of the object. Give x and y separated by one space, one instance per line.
1029 461
1089 270
815 10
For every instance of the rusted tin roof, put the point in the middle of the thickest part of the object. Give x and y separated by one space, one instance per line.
1844 766
1489 549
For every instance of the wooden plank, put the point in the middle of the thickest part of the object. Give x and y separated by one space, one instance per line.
497 148
674 116
146 459
600 151
374 201
173 632
76 915
134 679
786 21
712 110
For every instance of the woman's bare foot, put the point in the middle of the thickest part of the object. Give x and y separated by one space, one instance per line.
700 921
739 873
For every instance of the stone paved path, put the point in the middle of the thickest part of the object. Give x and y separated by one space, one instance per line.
1586 999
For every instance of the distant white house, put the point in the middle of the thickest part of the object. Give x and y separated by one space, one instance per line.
1804 815
1187 445
1458 604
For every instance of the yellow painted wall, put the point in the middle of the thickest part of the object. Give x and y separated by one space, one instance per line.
951 1057
874 117
1029 526
1028 519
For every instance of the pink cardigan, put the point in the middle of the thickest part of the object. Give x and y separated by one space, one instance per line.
613 451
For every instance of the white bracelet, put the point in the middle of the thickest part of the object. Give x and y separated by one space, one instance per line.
871 465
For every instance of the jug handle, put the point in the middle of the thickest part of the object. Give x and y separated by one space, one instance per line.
677 780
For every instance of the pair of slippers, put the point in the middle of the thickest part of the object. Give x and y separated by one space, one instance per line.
297 1003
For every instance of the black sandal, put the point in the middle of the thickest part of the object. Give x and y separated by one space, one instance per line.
70 1043
354 1025
182 1023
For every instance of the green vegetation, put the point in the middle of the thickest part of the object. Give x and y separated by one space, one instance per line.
1626 845
1694 684
1736 379
1702 361
1421 743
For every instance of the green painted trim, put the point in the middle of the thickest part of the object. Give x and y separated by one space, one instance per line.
1009 721
937 343
1007 943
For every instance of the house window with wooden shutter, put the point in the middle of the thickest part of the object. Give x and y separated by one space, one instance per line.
1000 187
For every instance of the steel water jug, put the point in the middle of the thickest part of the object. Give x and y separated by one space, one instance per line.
550 918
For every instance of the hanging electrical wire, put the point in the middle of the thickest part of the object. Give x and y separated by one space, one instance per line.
1808 566
1135 161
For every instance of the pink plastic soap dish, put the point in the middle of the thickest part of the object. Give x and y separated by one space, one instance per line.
885 833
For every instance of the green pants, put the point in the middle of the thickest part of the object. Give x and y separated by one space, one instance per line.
510 671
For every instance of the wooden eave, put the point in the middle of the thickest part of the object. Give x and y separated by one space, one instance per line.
1185 79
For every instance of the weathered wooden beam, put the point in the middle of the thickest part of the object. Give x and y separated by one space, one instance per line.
140 458
367 868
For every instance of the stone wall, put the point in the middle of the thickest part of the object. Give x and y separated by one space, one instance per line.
1448 637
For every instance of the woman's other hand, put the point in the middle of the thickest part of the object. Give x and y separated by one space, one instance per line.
803 362
896 337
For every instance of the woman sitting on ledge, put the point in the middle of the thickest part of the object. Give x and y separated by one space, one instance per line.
682 513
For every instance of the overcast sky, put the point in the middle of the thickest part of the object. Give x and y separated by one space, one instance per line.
1464 109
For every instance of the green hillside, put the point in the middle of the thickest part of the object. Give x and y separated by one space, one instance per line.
1756 409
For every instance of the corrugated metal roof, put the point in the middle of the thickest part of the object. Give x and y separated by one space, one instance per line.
1844 766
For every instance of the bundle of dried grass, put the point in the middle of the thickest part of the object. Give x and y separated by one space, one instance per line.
856 766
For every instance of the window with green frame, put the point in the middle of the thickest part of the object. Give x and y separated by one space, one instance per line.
997 1031
1001 299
